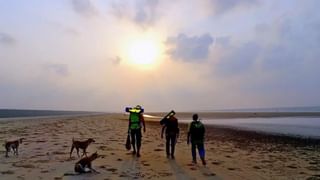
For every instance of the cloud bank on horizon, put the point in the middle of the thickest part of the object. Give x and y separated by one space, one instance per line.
218 54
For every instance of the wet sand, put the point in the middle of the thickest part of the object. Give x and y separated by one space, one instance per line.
230 153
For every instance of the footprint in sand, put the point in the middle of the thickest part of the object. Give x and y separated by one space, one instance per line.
102 167
313 178
158 149
41 161
44 171
217 162
102 156
256 167
20 177
292 166
59 153
314 162
112 169
24 165
165 174
313 168
102 147
209 174
7 172
123 175
232 169
40 141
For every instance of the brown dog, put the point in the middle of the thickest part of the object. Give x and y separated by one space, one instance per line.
81 145
85 164
14 145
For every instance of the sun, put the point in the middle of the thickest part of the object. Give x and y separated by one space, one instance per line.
144 51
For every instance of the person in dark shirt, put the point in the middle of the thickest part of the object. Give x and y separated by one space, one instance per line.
172 133
196 136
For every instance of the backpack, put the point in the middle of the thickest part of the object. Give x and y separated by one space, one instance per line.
197 130
134 118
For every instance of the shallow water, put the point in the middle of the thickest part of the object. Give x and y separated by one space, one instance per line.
296 126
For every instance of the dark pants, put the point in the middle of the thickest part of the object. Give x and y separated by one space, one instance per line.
200 147
136 139
170 140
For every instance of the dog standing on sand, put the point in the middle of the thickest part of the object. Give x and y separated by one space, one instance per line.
14 145
85 164
81 145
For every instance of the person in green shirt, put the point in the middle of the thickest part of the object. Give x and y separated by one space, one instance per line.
135 121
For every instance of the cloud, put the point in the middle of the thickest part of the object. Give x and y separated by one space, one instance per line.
6 39
145 13
191 49
141 12
237 60
84 7
223 40
58 69
294 44
281 47
220 7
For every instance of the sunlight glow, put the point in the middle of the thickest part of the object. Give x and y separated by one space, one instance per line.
144 51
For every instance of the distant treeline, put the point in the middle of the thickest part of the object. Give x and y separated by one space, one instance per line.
10 113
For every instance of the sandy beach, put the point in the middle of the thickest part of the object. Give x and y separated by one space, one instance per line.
230 153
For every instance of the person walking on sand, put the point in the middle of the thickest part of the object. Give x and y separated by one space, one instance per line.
172 133
135 121
196 136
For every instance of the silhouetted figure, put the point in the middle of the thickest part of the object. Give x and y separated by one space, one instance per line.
196 133
172 133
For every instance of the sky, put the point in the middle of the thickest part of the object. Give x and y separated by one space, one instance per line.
203 54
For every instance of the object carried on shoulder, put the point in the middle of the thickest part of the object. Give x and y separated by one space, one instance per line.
166 117
137 109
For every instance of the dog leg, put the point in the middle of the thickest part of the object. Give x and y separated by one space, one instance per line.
77 151
7 150
84 153
72 147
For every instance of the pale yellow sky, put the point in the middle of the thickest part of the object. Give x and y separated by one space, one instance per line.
163 55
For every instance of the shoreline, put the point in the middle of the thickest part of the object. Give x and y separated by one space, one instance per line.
211 115
267 137
231 115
